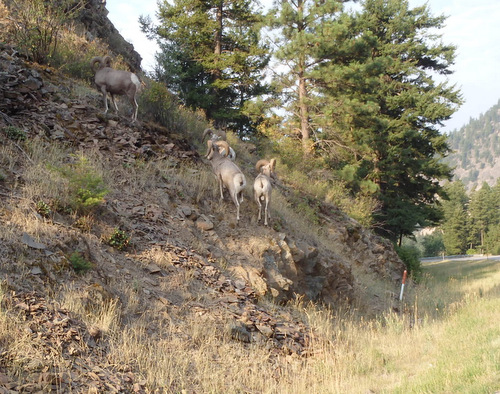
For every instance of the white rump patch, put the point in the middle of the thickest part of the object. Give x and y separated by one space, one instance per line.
135 80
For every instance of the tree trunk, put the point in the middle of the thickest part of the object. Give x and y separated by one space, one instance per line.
303 113
218 32
303 108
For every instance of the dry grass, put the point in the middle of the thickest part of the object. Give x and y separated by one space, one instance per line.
413 352
454 312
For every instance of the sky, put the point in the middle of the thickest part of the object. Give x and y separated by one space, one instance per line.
472 26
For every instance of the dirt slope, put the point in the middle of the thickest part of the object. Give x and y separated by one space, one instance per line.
186 256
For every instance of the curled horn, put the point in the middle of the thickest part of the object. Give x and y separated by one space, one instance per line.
103 62
210 147
273 164
206 132
261 163
106 61
94 60
223 145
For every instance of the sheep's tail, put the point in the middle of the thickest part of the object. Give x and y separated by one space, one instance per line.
240 181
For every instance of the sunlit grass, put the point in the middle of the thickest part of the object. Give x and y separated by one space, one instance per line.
444 336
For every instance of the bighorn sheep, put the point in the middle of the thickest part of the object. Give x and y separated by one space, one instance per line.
262 186
228 174
215 135
222 149
121 82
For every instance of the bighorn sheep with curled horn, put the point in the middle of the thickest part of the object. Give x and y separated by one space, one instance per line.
262 186
121 82
222 149
214 135
228 174
218 135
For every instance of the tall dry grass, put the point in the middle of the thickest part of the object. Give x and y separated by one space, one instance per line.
418 351
444 338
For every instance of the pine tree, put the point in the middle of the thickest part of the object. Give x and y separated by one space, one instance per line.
298 23
211 56
455 218
379 94
482 215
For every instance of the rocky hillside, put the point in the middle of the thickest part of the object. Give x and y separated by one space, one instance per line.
476 146
186 259
93 20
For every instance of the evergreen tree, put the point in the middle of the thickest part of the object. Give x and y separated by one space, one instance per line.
211 56
433 244
482 215
455 218
379 94
299 24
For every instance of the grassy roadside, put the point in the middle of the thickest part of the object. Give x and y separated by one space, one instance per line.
446 340
454 345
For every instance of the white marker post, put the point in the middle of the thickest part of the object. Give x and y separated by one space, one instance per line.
403 286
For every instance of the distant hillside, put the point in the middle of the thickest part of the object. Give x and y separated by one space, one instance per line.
476 147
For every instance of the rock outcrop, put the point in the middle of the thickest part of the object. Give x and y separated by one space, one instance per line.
94 20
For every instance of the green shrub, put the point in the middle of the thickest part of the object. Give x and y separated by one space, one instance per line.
79 264
157 104
86 188
119 239
410 255
38 25
432 244
74 53
14 133
43 209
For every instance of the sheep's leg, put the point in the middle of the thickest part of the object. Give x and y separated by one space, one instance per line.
234 197
236 202
105 98
220 187
260 206
136 107
267 205
114 102
266 212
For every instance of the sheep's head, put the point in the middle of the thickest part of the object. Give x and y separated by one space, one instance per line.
100 61
261 163
266 167
214 134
